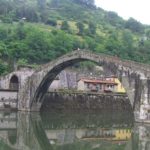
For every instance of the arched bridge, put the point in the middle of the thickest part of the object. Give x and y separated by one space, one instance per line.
134 77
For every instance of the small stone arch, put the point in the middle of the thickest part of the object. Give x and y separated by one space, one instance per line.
14 83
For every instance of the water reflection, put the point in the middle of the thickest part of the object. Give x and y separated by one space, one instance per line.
51 131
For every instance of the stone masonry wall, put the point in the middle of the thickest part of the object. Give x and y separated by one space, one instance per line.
85 102
8 99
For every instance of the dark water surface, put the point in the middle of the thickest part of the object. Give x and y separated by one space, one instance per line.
72 131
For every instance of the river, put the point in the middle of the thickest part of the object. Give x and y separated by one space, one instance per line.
72 131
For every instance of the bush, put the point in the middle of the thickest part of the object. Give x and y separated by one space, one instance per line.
51 22
7 20
3 68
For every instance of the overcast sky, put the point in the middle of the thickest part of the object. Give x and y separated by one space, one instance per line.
138 9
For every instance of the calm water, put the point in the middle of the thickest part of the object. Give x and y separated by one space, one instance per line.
72 131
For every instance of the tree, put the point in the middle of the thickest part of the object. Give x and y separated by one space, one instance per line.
148 34
89 3
92 28
65 26
113 44
114 19
20 30
91 44
3 33
39 46
22 62
3 67
80 26
62 43
5 7
51 22
127 39
28 12
44 16
127 48
55 3
134 25
41 4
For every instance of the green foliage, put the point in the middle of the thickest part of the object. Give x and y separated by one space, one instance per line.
148 34
65 26
134 25
20 30
88 3
41 4
37 31
114 19
28 12
92 28
51 22
3 33
88 65
39 44
80 26
22 62
90 43
3 68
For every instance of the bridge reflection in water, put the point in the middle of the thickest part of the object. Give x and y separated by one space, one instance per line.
51 131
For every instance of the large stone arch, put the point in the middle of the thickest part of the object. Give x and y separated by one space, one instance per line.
132 75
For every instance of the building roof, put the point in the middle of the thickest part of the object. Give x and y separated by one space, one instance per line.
98 81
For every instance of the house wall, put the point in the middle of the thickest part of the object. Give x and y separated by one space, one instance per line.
92 87
55 85
110 87
120 88
81 86
122 134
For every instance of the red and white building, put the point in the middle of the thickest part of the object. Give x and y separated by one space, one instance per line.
97 85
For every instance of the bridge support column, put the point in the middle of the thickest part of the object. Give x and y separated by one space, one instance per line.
138 91
144 103
24 95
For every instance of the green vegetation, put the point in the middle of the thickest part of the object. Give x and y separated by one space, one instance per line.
4 146
37 31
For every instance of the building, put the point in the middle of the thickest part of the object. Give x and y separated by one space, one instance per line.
119 88
55 85
122 134
97 85
65 80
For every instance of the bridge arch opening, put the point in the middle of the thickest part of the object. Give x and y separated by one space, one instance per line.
53 72
14 83
50 76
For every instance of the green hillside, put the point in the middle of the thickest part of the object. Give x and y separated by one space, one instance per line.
37 31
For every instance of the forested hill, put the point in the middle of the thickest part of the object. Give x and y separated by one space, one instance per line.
37 31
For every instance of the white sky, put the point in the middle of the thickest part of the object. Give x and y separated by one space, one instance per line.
137 9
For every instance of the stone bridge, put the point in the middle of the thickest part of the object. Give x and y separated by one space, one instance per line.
134 77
